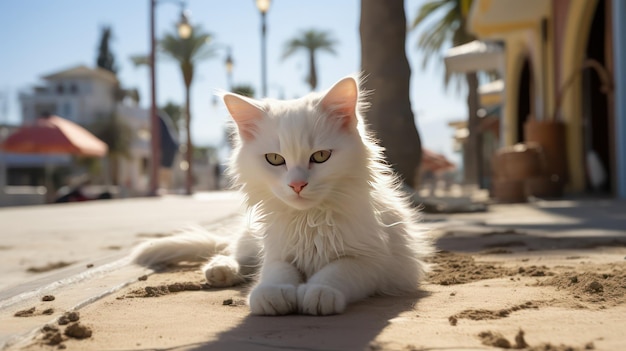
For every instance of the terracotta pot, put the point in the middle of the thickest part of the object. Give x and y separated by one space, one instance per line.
518 162
509 191
551 136
544 187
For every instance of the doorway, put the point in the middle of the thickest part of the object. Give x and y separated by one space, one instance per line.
596 116
523 100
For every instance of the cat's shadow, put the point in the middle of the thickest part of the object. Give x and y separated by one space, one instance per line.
356 329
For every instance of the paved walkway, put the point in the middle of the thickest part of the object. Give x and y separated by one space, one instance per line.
80 248
93 238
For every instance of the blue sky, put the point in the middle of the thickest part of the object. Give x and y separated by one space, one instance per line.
39 37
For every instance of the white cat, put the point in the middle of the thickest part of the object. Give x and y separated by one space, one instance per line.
329 224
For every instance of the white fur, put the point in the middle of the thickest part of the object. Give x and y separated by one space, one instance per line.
350 233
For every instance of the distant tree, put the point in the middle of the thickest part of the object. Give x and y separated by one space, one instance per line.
175 111
443 24
384 62
310 41
133 94
118 135
105 57
112 129
244 89
187 52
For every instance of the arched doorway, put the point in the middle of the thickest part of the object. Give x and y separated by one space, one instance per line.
523 99
596 114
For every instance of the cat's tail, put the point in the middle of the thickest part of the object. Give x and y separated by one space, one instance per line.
191 245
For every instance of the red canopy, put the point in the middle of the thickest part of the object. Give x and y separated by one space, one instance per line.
54 135
434 162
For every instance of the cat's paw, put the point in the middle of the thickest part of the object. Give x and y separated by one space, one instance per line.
222 271
273 299
320 300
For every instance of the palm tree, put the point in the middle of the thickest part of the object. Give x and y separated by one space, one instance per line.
175 111
443 23
118 135
384 62
244 89
187 52
111 128
311 40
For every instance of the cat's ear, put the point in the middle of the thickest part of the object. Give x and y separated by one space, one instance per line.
341 102
245 113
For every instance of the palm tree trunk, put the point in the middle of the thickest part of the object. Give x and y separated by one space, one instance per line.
384 62
312 70
472 160
189 153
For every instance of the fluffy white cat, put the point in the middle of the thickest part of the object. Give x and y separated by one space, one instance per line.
328 222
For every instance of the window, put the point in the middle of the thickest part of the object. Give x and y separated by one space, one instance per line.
45 109
67 111
145 162
60 89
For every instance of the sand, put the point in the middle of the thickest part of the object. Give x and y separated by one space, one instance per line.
500 290
49 267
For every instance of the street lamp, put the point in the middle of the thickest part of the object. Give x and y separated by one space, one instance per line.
263 6
184 28
184 31
229 63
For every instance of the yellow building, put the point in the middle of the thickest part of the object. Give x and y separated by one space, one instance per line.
564 65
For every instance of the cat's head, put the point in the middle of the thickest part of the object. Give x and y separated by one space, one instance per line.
304 152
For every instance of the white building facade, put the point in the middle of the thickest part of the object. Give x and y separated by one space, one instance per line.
84 95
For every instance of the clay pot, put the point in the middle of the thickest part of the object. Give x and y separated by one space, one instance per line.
509 191
544 187
518 162
550 135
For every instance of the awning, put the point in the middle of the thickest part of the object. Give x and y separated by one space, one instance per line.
435 162
495 18
54 135
490 94
475 56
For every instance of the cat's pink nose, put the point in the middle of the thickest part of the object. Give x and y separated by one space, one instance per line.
298 185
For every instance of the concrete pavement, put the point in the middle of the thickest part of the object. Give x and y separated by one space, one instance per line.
88 243
95 237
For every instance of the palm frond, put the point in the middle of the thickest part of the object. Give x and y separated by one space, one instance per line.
428 10
197 47
140 60
291 46
441 24
310 40
433 40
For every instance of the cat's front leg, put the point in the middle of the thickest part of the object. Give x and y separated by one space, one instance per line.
275 294
222 271
320 300
340 282
227 270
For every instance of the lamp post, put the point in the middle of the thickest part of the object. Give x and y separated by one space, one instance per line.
229 64
263 6
184 31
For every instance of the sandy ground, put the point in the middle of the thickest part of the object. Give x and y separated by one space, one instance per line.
488 289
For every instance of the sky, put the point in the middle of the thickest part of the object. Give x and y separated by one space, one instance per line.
39 37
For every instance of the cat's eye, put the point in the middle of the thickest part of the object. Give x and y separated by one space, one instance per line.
275 159
320 156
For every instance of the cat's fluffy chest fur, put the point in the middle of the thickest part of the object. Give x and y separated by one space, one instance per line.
331 225
312 239
309 240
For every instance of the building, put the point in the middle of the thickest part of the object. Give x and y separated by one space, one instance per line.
85 96
563 68
80 94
